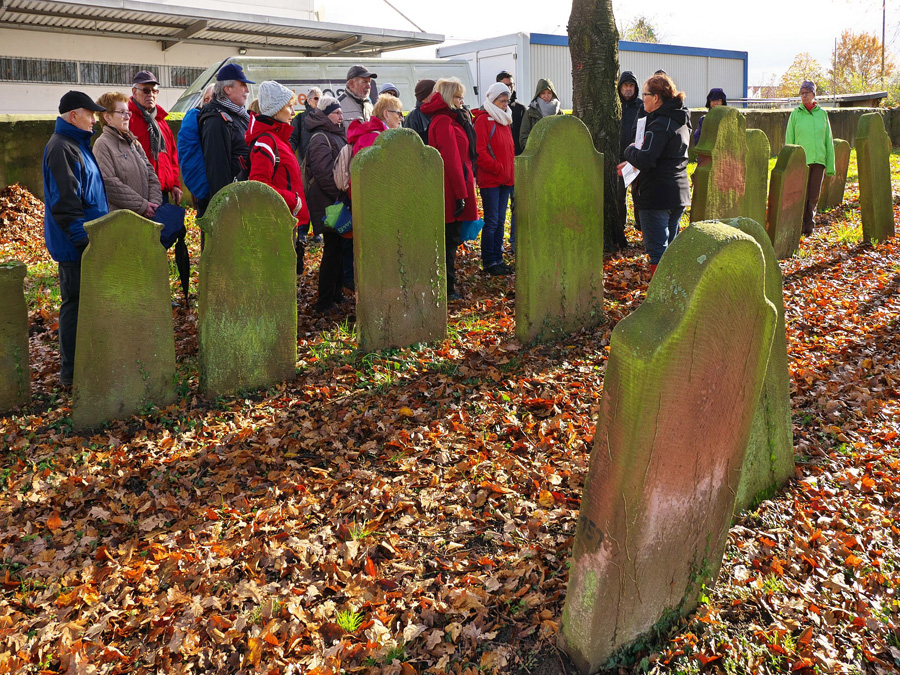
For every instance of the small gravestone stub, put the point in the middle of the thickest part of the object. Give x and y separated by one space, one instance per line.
15 371
876 198
833 186
559 231
125 354
683 379
757 176
787 199
398 242
720 179
770 451
248 291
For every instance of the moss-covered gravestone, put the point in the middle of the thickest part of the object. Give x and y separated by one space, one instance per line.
876 199
683 379
832 194
787 199
398 242
248 291
720 181
15 372
559 231
756 176
770 451
125 354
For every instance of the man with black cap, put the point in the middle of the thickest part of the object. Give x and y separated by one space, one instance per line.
355 102
417 120
223 123
73 195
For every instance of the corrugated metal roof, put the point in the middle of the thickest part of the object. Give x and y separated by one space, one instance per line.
143 20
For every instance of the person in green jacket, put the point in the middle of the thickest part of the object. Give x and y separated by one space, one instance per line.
544 104
809 128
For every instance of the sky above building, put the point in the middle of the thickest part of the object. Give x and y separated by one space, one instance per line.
771 31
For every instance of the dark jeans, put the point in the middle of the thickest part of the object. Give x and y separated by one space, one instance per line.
331 274
659 227
495 201
619 238
813 189
69 291
347 263
512 221
182 257
452 241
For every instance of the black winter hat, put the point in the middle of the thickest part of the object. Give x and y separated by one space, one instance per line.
716 94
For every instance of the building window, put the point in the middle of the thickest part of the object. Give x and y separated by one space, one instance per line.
17 69
117 74
183 76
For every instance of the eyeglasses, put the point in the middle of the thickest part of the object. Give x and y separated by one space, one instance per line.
645 94
148 91
314 98
124 113
398 113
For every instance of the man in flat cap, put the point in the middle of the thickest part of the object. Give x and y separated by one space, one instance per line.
73 195
355 102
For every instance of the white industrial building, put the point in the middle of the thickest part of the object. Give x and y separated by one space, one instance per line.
48 47
531 56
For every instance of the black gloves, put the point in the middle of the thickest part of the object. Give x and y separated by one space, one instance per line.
460 207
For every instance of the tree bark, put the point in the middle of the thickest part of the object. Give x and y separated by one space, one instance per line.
594 46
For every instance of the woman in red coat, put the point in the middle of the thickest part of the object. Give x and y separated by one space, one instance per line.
452 135
272 160
496 173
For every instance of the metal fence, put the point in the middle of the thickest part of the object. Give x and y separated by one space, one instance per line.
54 71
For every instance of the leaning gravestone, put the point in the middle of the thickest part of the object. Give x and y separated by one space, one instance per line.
720 178
559 237
683 379
876 199
757 176
770 452
125 357
833 186
787 200
248 291
15 372
398 242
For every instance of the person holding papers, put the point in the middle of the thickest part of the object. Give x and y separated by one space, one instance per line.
661 191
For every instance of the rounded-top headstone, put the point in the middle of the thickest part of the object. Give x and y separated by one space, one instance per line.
787 200
876 199
721 175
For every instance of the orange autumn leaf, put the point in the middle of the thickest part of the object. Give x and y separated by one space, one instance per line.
54 522
853 561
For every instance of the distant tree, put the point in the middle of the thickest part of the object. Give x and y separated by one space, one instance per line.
804 67
856 65
641 29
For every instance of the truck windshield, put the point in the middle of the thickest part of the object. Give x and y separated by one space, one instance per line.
191 95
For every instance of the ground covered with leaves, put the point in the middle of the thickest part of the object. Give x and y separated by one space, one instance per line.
412 511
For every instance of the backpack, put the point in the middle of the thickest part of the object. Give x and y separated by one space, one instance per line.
273 151
341 169
190 156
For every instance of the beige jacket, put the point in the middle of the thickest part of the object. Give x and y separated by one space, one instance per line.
128 176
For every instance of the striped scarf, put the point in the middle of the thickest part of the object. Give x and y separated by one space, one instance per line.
157 142
238 110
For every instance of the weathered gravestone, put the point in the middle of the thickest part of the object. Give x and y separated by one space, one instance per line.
398 242
876 199
756 176
787 200
15 372
832 194
559 230
125 355
683 379
770 452
248 291
720 181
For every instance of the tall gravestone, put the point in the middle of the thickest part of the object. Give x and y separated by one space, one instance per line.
559 230
787 199
832 194
125 355
770 451
684 375
720 181
15 371
757 176
876 198
248 291
398 242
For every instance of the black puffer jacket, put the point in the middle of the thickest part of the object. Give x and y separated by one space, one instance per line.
663 158
225 150
630 111
418 122
325 142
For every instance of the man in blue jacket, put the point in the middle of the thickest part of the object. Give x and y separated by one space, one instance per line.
73 195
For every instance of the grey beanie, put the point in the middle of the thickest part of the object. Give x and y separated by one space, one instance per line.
807 84
273 97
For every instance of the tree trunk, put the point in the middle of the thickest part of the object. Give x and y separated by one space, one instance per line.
594 46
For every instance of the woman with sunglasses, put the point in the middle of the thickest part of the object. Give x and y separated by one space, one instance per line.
300 136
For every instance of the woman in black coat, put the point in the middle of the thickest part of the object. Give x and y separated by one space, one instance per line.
326 138
661 190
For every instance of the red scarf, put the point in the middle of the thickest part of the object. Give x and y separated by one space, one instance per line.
810 106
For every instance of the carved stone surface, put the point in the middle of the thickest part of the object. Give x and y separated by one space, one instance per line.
720 181
757 176
832 194
15 371
876 199
787 199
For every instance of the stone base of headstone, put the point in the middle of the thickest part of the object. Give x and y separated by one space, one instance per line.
125 344
787 200
832 194
876 198
683 379
15 371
